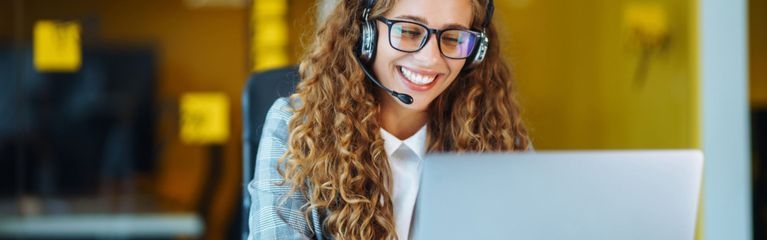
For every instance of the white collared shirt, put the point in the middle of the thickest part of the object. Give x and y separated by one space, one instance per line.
405 158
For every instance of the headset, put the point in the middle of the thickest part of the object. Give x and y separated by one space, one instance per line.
366 46
369 36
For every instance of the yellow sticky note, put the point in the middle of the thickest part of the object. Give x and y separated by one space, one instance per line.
57 46
204 118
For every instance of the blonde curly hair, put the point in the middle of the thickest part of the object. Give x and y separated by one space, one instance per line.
335 151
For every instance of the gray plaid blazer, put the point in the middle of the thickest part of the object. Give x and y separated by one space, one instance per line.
272 216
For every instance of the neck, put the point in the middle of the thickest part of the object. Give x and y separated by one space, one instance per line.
398 120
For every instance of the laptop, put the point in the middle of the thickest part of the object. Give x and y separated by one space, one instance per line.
559 195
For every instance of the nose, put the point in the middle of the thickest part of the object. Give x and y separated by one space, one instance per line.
430 53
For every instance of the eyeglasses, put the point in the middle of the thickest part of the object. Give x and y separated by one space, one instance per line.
410 37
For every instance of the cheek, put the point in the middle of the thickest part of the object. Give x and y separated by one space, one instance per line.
382 41
383 54
455 68
380 59
456 65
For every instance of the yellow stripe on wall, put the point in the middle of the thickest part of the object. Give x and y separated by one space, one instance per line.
270 34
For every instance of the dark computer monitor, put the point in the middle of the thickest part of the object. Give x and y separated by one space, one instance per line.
60 133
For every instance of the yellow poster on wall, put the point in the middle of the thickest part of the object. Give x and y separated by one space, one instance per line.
204 118
57 46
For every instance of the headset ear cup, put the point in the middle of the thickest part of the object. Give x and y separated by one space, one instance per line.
368 42
481 50
478 54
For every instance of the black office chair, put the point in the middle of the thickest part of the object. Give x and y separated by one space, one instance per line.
260 92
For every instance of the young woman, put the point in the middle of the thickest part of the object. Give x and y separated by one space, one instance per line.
341 158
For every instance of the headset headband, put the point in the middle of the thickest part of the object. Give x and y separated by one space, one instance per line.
486 22
488 14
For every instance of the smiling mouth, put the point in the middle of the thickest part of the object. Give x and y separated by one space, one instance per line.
416 78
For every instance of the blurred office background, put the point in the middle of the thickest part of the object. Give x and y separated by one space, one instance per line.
123 120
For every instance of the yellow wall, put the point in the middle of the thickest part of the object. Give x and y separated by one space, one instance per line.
758 52
575 66
198 49
297 23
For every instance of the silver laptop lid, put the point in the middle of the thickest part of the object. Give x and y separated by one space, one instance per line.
560 195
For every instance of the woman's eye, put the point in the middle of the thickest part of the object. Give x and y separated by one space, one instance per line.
412 33
452 40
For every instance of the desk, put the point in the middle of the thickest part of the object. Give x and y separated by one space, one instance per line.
103 225
132 216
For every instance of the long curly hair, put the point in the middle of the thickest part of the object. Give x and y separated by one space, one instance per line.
335 151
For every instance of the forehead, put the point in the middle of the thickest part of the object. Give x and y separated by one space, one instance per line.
436 13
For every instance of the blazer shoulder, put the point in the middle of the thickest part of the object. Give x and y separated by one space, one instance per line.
281 109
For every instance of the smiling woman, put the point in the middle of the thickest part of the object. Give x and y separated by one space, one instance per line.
341 158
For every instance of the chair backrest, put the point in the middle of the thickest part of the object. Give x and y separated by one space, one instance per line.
261 91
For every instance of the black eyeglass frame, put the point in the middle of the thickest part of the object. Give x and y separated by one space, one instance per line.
429 31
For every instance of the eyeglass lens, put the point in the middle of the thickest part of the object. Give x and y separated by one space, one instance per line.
410 37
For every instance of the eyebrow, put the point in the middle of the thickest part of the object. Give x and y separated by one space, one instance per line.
422 20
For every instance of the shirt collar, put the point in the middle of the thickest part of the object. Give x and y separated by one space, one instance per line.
416 143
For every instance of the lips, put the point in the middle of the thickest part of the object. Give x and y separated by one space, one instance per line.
417 80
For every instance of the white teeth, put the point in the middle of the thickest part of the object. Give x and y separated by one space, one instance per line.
417 78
